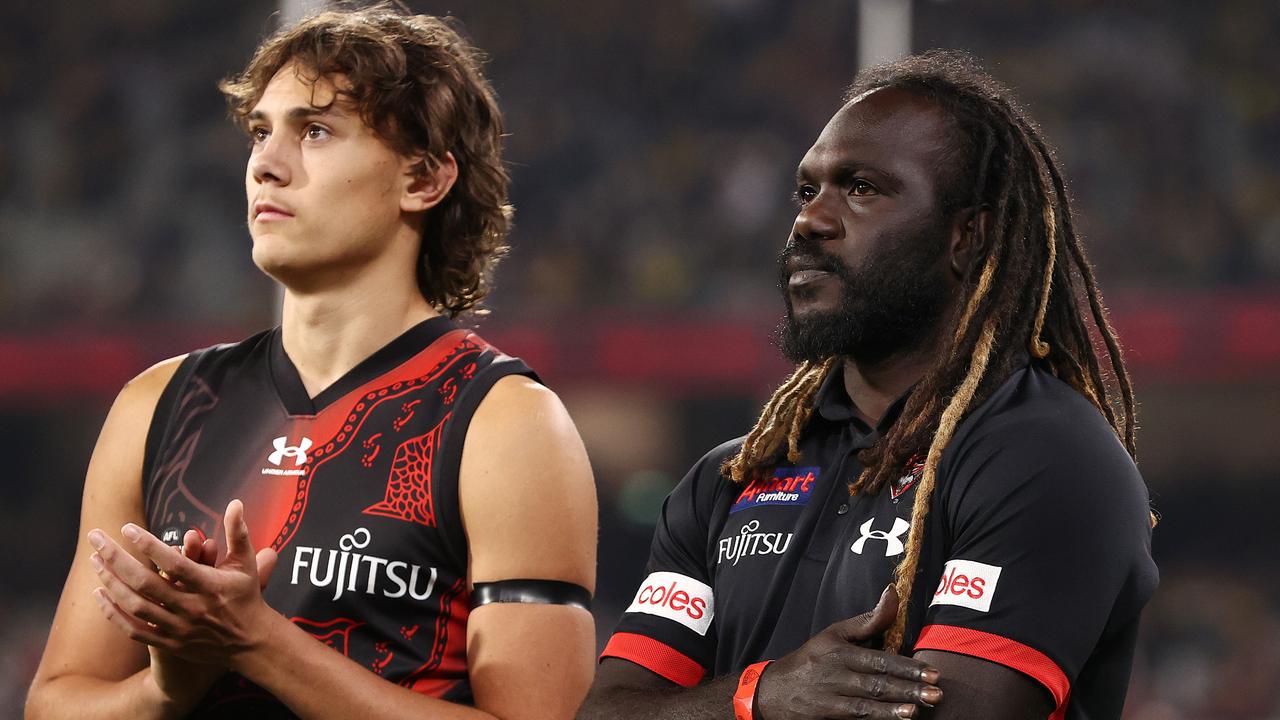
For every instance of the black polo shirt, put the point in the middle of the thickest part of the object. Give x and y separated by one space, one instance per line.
1037 554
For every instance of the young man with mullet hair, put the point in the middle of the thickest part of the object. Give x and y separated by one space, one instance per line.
384 472
948 433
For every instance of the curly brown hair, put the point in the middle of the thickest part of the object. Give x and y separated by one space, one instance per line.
418 84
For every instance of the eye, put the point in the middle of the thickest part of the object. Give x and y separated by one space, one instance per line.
805 194
316 132
862 187
258 135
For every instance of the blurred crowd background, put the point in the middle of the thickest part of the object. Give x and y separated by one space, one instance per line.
652 147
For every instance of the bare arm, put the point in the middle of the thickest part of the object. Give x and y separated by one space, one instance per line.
529 507
89 670
830 676
625 691
980 688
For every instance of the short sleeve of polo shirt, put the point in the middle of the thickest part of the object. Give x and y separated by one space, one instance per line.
1050 545
668 626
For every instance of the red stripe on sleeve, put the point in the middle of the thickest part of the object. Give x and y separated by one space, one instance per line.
655 656
1003 651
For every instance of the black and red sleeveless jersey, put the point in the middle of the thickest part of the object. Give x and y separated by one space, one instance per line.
356 489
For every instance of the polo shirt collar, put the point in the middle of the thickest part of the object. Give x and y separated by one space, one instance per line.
834 405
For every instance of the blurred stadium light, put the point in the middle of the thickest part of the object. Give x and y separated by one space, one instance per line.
292 11
884 30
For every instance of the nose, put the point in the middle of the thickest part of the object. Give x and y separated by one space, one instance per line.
270 163
817 220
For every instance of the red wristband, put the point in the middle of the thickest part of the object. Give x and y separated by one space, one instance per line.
745 697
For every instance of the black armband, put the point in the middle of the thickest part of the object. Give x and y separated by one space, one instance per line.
541 592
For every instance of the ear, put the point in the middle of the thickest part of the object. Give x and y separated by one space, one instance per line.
425 186
970 228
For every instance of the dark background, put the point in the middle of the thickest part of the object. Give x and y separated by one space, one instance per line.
651 147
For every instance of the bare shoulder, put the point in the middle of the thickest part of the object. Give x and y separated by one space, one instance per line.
155 378
139 396
521 419
515 403
124 434
526 491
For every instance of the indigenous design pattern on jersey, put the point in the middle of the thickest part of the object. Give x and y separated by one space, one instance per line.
356 490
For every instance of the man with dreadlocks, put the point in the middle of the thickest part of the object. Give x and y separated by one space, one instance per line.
949 431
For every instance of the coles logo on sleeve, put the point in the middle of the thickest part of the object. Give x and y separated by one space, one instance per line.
788 486
968 584
675 597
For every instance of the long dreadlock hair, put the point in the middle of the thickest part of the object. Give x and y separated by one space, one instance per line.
1023 291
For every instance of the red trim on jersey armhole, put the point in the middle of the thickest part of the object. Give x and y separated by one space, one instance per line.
1003 651
655 656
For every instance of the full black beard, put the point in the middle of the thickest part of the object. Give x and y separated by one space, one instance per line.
892 305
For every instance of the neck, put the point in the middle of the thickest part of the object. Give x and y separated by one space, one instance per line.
873 385
329 331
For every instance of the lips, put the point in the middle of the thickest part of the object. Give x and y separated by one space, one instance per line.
803 269
804 277
270 211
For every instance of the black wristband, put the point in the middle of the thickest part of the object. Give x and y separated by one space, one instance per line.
541 592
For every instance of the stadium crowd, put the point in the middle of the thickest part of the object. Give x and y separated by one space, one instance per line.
652 154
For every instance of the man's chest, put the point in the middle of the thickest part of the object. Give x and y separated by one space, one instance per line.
302 478
796 553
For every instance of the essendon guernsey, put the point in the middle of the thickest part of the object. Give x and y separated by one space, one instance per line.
1037 555
356 489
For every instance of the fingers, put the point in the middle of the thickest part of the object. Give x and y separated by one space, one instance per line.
132 627
113 564
871 709
883 614
175 566
239 547
125 598
266 561
209 552
887 688
191 544
870 624
200 549
873 662
841 706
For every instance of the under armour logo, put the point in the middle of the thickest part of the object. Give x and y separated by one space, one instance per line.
297 452
893 547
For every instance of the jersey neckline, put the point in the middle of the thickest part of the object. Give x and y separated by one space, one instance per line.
293 394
